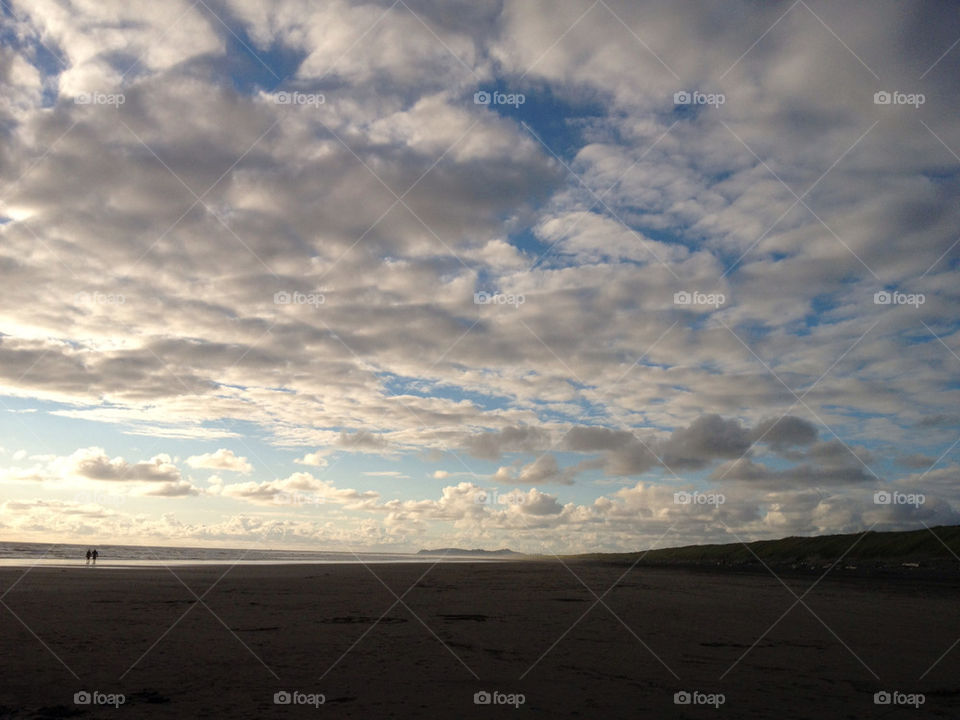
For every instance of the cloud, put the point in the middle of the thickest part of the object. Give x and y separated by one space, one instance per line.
706 439
491 446
784 432
916 461
542 471
298 489
798 476
180 488
91 469
315 458
94 464
538 503
222 459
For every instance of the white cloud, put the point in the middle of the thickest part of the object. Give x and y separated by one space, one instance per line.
222 459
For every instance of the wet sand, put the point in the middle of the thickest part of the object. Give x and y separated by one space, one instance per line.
529 628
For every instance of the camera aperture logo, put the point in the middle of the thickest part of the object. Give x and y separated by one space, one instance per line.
885 497
695 97
285 297
95 697
886 697
485 697
884 97
695 697
698 498
298 98
498 298
484 97
699 299
885 297
295 697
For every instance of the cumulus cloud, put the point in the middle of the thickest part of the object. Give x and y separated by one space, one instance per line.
314 458
491 446
784 432
298 489
91 468
542 471
94 464
798 476
222 459
707 439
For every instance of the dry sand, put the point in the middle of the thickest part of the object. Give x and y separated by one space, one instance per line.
529 628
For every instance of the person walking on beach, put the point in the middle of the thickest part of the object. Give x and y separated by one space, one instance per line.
95 556
89 555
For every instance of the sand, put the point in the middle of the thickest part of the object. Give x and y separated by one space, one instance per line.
520 629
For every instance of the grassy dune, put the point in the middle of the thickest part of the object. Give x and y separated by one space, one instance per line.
938 546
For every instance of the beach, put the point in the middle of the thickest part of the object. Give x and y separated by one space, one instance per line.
222 641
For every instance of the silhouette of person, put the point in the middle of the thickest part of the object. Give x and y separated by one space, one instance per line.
89 555
95 556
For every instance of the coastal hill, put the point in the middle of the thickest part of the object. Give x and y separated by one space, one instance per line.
936 547
460 551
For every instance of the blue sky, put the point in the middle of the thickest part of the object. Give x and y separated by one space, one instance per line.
337 275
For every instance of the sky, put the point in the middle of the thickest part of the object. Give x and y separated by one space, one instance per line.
551 275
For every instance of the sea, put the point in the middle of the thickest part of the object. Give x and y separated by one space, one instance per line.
19 554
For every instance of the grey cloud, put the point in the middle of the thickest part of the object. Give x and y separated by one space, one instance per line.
798 476
916 461
491 446
706 438
784 432
545 470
